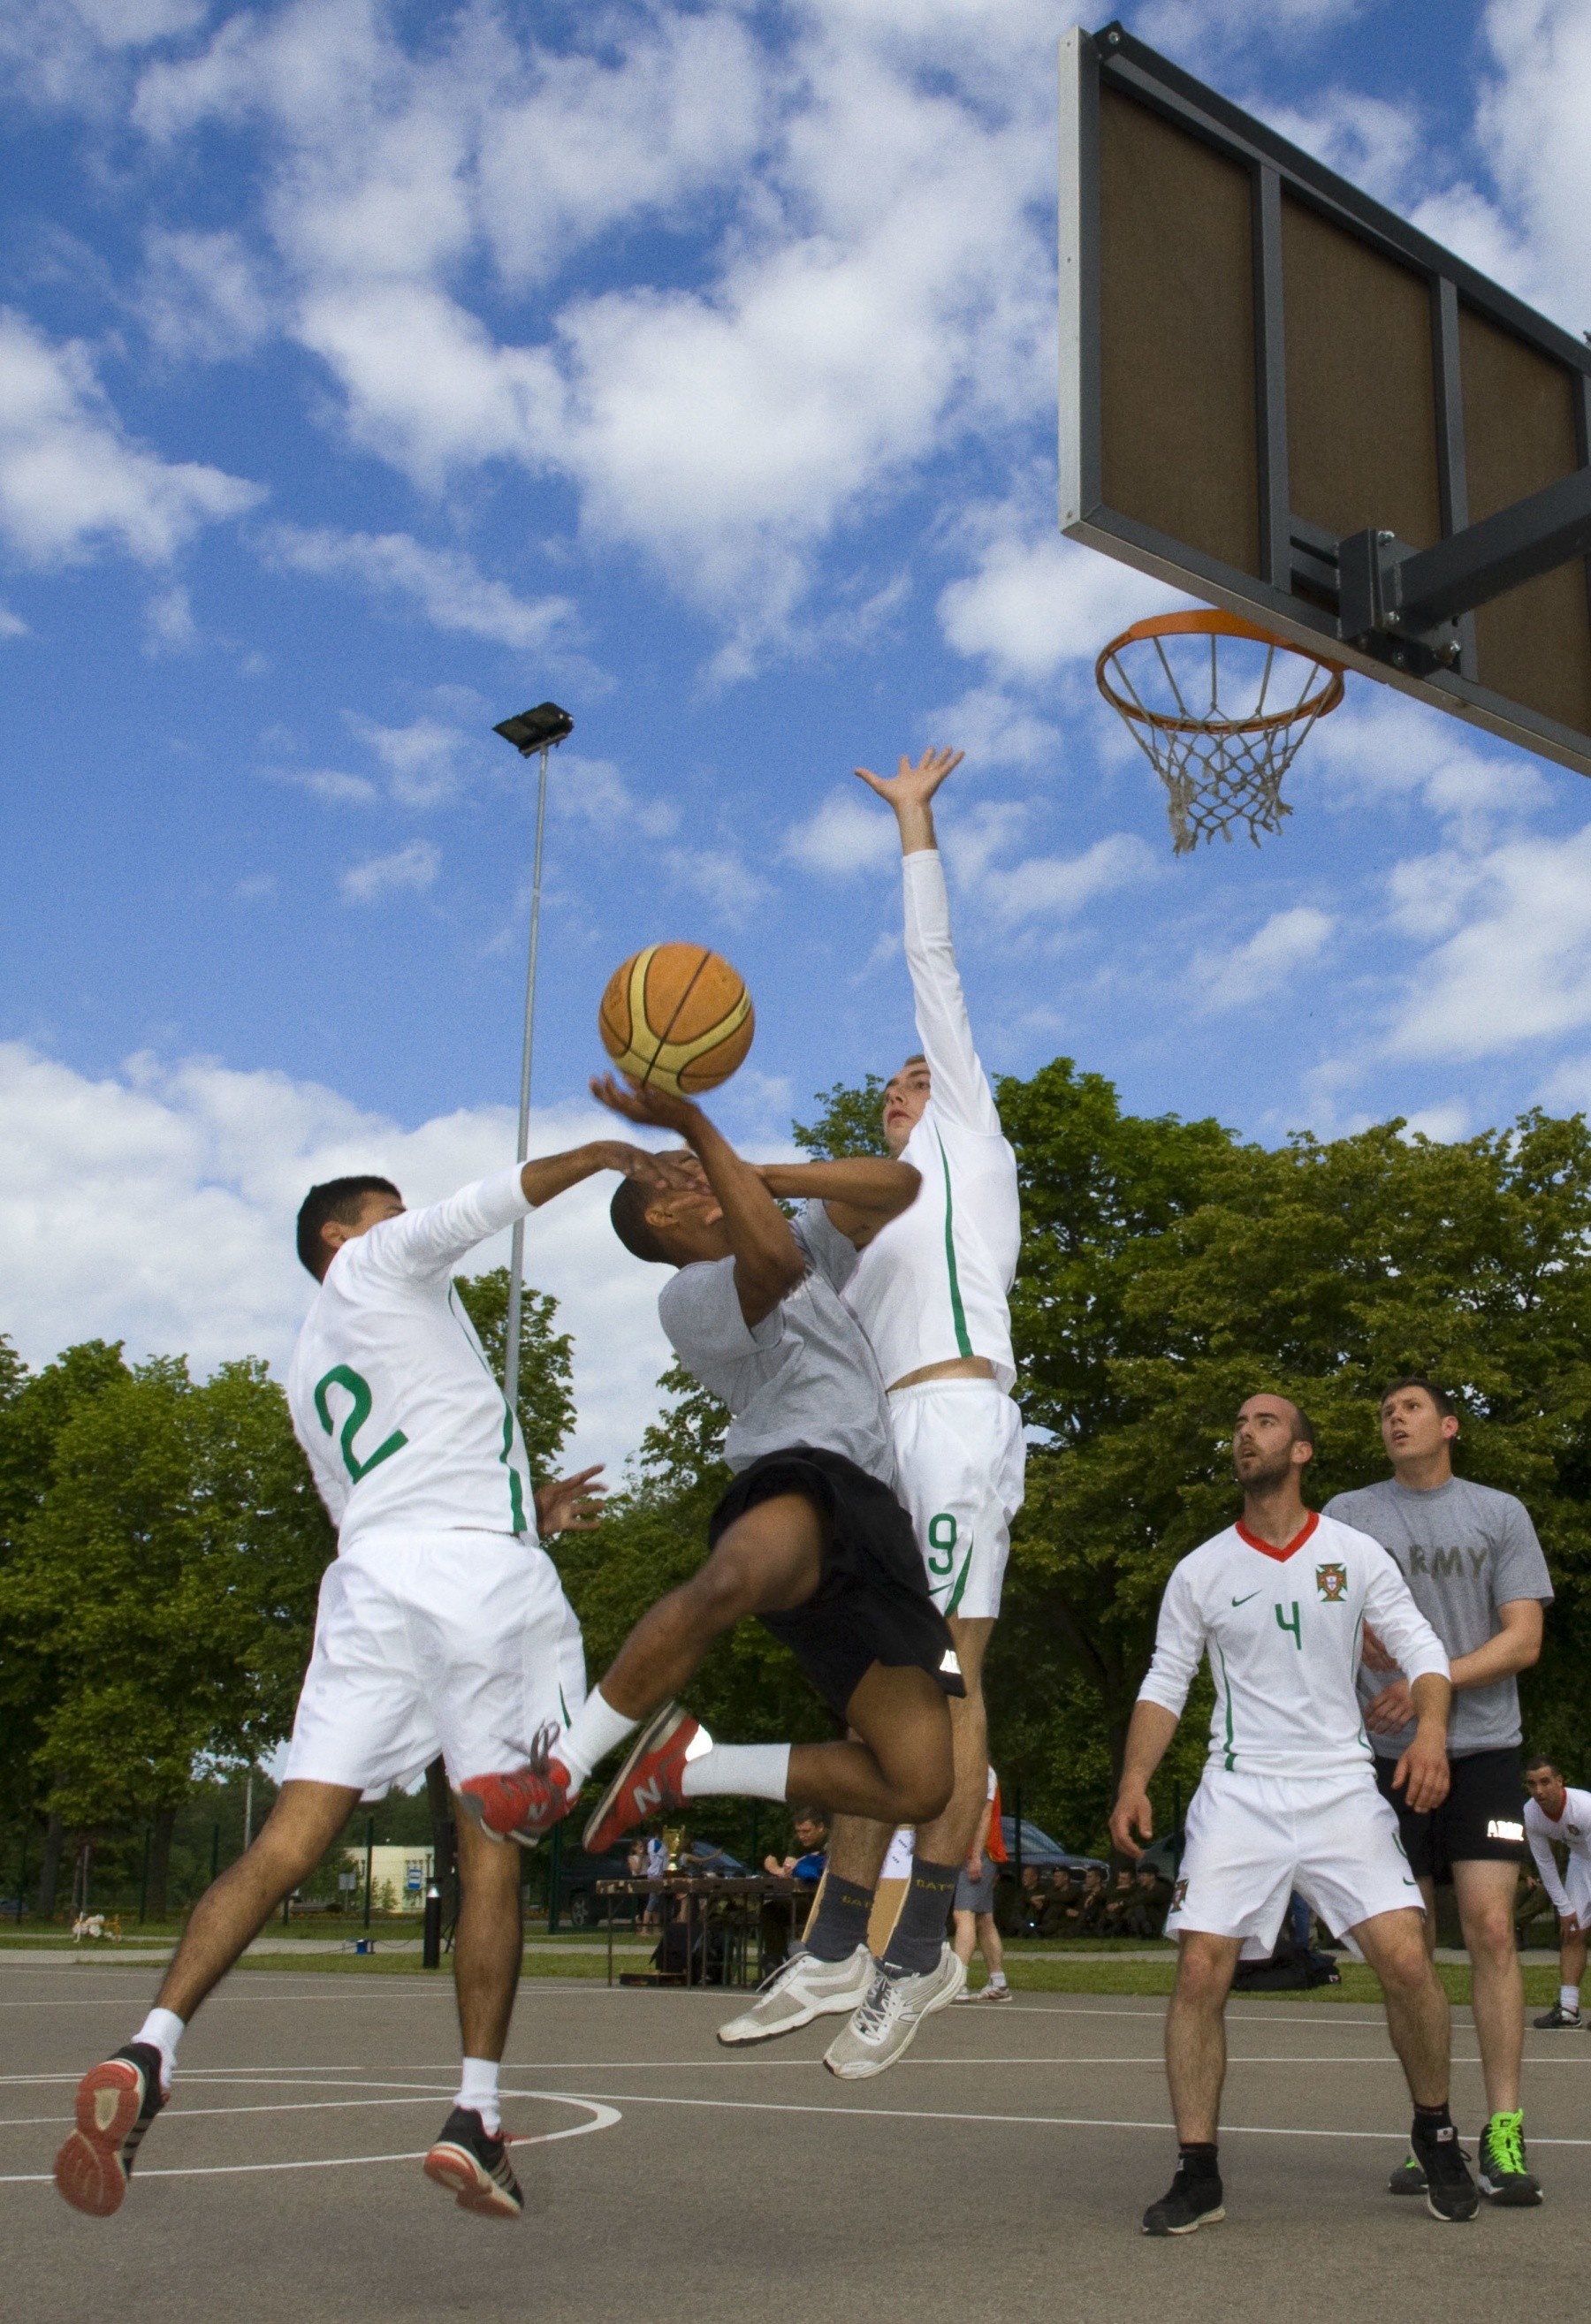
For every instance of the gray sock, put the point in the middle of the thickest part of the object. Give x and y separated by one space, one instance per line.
841 1922
919 1932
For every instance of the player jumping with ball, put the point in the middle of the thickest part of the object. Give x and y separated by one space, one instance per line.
1289 1798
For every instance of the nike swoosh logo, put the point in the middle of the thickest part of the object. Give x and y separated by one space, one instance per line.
1243 1601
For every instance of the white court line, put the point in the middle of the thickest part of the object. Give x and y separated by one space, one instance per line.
603 2117
1021 2121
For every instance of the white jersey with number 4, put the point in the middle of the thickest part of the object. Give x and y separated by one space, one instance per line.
1572 1830
932 1285
405 1426
1282 1628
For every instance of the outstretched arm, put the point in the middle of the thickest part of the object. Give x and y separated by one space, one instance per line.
427 1242
860 1192
961 1092
768 1262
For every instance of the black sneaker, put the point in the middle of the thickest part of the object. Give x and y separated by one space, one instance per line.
116 2103
1408 2179
1558 2020
1189 2203
1450 2193
472 2163
1505 2175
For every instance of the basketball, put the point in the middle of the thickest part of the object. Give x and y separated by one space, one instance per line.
677 1016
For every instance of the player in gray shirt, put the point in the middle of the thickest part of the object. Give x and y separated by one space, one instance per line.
1472 1560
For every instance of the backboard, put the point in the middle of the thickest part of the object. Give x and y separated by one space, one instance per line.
1264 373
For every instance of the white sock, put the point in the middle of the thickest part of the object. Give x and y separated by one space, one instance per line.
163 2030
1568 1999
996 1977
752 1771
595 1729
479 2092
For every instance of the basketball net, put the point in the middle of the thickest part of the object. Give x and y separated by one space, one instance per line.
1222 761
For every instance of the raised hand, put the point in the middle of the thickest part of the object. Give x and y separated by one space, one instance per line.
644 1102
914 782
570 1504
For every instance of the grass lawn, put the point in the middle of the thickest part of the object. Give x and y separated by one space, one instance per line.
1055 1973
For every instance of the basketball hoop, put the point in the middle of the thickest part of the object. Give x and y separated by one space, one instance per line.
1221 764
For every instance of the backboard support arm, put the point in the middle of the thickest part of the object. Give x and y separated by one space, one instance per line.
1416 596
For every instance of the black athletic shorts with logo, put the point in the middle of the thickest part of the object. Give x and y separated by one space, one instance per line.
1482 1819
871 1604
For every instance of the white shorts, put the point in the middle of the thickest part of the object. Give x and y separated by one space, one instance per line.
960 1452
457 1643
1252 1840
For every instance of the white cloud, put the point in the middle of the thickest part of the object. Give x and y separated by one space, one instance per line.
1037 887
1034 603
448 587
157 1206
421 758
1443 1123
12 625
57 51
849 833
168 621
994 729
71 480
1265 963
592 791
409 870
719 877
330 784
1516 967
201 296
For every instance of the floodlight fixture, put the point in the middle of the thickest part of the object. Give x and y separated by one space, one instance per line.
534 732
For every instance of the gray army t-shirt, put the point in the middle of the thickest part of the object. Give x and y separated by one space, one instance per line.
805 1375
1464 1550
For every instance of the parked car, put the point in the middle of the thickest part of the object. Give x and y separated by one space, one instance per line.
580 1907
1164 1855
1038 1848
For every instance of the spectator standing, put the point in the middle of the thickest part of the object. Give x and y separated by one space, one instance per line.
1554 1813
974 1926
1475 1571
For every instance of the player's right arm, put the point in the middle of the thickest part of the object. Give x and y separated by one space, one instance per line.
432 1240
1423 1774
768 1261
1179 1648
860 1192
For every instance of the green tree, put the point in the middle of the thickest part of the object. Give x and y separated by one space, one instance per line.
166 1581
546 1361
851 1121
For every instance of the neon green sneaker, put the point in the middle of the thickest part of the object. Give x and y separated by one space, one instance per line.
1504 2175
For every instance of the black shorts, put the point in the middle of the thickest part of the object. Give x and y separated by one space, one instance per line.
1482 1819
871 1604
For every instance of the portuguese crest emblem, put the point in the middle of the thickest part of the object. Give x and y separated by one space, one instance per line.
1332 1583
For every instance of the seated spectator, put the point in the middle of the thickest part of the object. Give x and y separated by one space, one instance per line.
1063 1902
1091 1922
1145 1916
1120 1898
1027 1912
809 1857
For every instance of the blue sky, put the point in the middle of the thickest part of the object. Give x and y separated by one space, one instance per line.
369 372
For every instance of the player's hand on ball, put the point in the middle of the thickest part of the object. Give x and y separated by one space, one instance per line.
570 1504
644 1101
1132 1815
912 785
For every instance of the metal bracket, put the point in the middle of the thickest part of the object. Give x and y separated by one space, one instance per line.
1404 604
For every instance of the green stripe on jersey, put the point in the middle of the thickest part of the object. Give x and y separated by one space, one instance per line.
1226 1689
958 1312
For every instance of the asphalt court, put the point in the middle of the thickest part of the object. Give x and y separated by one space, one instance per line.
1002 2167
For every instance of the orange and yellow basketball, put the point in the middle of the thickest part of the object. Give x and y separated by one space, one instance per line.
677 1016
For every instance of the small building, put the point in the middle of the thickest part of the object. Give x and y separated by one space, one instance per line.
398 1876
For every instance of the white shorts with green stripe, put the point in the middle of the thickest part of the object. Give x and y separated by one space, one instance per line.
960 1453
1253 1840
459 1643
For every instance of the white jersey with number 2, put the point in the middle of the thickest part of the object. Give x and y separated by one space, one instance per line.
1282 1628
405 1426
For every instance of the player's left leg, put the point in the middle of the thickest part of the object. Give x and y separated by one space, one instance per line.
948 1837
1565 2012
1484 1892
1419 2022
469 2155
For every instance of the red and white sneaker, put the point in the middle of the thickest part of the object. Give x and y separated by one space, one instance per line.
525 1803
648 1782
116 2103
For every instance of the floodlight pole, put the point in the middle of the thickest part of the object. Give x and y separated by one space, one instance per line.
517 1251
